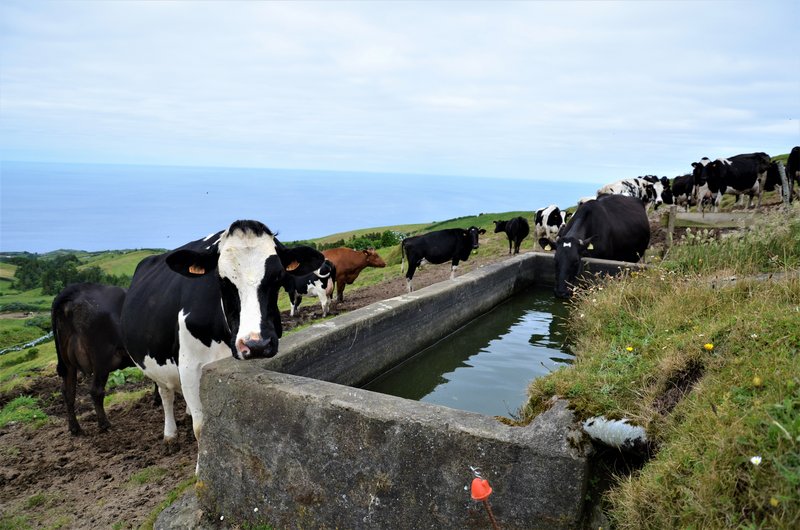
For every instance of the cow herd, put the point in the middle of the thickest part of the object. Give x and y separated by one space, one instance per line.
217 297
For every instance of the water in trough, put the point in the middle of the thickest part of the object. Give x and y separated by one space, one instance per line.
486 366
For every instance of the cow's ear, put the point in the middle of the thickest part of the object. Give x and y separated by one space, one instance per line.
192 264
299 260
586 244
482 231
546 244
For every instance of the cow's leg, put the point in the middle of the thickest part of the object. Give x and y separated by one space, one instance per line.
98 393
412 268
509 246
453 269
340 291
170 428
324 302
68 385
295 304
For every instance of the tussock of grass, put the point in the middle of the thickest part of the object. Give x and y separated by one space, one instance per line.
709 410
24 409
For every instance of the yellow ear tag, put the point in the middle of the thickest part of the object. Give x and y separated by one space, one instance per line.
292 266
590 247
548 247
197 269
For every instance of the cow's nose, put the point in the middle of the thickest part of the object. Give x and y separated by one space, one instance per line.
255 346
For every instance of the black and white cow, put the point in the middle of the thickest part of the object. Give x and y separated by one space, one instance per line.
87 334
314 284
451 244
209 299
516 229
648 189
548 222
793 171
683 191
612 227
738 175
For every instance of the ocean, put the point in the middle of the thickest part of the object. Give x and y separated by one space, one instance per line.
49 206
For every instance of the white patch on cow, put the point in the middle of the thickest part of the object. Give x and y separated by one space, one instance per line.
566 245
242 260
316 289
192 356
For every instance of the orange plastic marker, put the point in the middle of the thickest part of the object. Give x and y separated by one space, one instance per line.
480 491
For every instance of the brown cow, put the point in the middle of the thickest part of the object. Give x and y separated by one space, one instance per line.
349 263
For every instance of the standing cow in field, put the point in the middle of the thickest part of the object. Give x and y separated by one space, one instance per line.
349 263
516 229
548 221
87 334
738 175
648 189
793 171
613 227
314 283
207 300
452 244
683 191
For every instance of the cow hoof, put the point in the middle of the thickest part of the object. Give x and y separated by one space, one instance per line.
103 427
75 430
171 446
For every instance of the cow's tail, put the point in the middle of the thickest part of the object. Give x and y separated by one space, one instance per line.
402 256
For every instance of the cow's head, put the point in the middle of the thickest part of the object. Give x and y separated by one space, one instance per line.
569 263
373 258
249 263
472 233
499 226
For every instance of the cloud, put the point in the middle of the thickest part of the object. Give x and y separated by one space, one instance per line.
491 89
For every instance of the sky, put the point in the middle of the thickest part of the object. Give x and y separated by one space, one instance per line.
582 91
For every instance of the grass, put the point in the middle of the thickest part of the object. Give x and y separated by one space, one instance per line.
172 496
18 372
642 338
147 475
23 409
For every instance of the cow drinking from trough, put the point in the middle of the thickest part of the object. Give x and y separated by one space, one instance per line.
516 230
87 334
348 264
452 244
209 299
613 227
314 284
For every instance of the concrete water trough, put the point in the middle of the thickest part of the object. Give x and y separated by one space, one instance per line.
293 442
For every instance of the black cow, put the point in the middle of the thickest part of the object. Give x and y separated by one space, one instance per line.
612 227
452 244
207 300
86 329
516 229
793 171
738 175
314 283
683 191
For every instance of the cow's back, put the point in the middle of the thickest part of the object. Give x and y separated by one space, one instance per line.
345 260
619 225
87 316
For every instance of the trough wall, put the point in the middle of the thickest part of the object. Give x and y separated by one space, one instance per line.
291 442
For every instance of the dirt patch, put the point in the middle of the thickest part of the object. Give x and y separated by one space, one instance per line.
118 478
680 384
